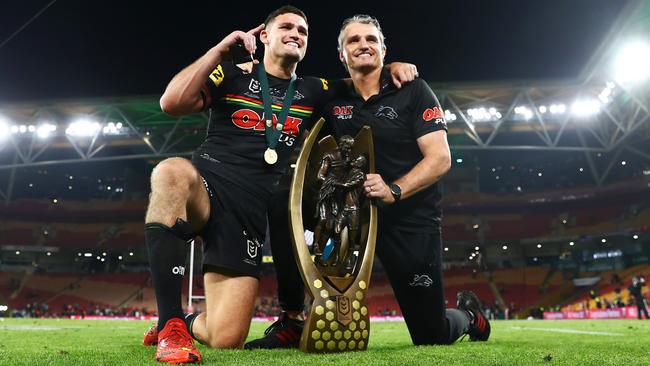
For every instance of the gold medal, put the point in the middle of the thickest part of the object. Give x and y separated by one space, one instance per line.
270 156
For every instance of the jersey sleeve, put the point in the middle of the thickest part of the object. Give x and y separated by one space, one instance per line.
428 115
214 85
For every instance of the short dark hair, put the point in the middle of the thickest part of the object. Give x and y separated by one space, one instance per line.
286 9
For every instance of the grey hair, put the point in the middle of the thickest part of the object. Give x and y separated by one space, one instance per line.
363 19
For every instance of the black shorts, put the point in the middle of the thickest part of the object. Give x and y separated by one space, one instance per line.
234 234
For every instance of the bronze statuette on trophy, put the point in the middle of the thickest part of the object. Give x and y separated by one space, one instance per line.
328 185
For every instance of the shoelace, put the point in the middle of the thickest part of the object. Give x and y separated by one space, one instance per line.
176 335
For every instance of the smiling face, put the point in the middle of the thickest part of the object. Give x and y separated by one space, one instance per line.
362 47
286 37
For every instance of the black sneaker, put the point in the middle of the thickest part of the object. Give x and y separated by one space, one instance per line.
284 333
479 329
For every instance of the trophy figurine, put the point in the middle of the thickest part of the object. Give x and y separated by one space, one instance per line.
328 185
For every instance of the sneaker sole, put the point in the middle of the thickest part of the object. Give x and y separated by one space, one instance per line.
190 358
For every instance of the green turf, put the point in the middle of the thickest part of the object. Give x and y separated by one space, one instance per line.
87 342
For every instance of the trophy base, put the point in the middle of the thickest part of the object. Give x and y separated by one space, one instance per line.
337 322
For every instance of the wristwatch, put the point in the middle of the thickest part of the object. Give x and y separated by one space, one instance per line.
396 191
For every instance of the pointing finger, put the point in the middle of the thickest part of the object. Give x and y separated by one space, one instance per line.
256 30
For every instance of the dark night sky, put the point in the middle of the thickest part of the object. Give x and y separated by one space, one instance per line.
79 49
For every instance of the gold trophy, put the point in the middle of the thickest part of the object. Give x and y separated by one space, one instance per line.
328 184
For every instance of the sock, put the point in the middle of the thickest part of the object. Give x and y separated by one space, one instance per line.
291 289
189 320
472 316
167 254
459 323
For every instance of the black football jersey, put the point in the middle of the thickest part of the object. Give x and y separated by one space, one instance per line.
235 142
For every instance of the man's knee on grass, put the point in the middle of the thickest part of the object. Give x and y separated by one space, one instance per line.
226 338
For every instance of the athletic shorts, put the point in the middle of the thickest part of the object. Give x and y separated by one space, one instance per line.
234 234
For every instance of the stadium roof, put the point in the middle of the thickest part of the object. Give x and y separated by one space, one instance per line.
590 114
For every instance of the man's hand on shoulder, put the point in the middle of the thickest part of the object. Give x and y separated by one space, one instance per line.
402 73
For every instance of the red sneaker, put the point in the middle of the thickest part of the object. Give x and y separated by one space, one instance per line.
151 336
175 345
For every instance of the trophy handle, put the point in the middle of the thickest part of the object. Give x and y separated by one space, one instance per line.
364 138
309 273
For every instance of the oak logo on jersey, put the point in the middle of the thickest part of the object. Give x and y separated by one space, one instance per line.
342 112
431 113
249 119
217 75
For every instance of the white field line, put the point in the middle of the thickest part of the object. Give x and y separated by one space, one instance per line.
571 331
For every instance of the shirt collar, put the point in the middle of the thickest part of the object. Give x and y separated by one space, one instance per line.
386 83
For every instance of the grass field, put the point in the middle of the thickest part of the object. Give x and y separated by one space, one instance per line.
565 342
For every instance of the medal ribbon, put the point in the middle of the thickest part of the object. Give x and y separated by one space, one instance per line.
273 134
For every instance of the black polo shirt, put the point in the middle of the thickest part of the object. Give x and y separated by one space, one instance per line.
398 117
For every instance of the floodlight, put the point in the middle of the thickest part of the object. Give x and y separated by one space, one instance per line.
585 108
44 130
631 65
83 128
4 129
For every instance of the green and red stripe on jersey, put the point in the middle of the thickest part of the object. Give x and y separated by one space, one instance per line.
241 100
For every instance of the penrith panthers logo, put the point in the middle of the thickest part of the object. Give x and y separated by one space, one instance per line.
421 280
386 111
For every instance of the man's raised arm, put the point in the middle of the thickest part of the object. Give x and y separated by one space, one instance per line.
183 93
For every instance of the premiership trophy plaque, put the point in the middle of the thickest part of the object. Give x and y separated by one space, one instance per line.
327 187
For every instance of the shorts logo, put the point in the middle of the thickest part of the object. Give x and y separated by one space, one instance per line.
431 113
217 76
385 111
342 112
210 158
421 280
252 246
179 270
